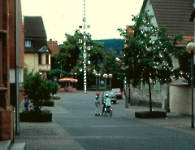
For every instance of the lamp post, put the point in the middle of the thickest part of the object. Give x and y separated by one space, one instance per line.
61 69
191 49
75 77
110 77
98 75
105 76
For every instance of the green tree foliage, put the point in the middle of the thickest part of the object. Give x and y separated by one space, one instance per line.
69 51
183 71
57 72
74 46
109 65
27 72
149 52
38 88
96 55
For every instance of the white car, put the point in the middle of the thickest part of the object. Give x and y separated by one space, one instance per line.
111 95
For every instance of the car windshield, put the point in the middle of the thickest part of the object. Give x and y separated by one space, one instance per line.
116 90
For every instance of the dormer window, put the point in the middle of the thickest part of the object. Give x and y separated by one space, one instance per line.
27 43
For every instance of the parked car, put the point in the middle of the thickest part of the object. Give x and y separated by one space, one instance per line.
118 93
111 95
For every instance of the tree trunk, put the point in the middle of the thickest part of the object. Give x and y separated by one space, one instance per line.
126 97
150 101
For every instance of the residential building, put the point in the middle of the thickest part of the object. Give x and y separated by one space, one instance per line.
53 46
174 15
37 54
7 63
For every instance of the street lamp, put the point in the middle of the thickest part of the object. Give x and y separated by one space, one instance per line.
75 74
105 76
191 49
61 69
110 77
98 75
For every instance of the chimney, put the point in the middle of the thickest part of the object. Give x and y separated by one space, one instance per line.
50 41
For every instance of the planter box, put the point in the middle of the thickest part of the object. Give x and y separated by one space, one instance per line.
35 117
148 114
56 98
47 103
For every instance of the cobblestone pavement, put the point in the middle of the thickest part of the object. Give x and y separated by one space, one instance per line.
75 127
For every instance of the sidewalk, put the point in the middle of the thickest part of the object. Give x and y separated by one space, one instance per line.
46 135
51 136
172 120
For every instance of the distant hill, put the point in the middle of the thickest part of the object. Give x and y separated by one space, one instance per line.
115 44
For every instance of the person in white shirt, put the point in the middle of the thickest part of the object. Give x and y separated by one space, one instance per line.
97 105
106 104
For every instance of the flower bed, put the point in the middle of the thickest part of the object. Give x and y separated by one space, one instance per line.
55 97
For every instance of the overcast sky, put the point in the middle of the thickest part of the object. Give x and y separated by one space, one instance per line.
65 16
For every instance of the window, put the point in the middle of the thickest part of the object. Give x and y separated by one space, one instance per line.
147 88
139 87
156 87
40 60
47 59
27 43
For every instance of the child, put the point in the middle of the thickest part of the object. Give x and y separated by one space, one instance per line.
97 105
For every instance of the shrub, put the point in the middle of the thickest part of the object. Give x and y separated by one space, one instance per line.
38 88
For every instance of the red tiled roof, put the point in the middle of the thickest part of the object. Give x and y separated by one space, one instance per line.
34 27
175 15
53 46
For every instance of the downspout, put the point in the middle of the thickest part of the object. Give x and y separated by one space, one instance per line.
17 69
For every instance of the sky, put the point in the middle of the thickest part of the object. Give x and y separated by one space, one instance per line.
65 16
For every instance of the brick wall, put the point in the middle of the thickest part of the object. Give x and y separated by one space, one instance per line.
12 47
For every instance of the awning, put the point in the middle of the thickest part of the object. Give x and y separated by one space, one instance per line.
68 80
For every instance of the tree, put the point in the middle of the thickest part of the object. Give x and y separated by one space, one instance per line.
183 71
38 88
57 72
149 52
69 51
110 66
95 56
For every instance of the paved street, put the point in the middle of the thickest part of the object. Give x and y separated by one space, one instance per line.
75 127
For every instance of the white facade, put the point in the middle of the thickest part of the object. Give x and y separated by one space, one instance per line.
32 62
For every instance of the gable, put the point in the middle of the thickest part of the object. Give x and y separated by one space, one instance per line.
174 15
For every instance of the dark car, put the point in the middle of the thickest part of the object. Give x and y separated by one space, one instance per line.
118 93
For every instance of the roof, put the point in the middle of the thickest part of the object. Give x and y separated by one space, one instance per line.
175 15
44 49
53 46
34 27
